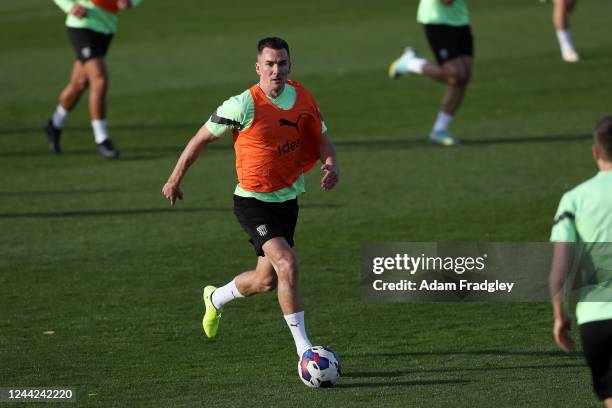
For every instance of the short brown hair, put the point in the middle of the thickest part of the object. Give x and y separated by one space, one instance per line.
602 136
276 43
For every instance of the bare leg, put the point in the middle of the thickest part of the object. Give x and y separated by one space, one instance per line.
608 402
97 75
435 71
283 259
560 12
278 269
68 99
261 279
77 84
285 263
461 71
456 73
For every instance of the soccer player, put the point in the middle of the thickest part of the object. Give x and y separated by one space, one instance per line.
583 228
278 136
560 17
90 25
447 27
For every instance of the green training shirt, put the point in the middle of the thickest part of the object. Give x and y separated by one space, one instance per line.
584 216
240 110
436 12
96 19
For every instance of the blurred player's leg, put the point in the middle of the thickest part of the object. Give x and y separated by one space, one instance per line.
453 49
456 73
74 89
97 76
407 62
561 11
69 97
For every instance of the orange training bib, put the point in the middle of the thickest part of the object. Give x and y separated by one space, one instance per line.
107 5
280 144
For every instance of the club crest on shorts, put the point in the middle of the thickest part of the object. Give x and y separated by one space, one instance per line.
262 230
86 52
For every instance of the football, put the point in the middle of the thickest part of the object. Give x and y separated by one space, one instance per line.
319 367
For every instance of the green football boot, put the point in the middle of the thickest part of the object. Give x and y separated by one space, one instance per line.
210 322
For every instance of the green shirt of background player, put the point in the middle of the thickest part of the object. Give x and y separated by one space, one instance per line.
90 26
448 32
583 230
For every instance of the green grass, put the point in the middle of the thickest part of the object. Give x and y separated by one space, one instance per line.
91 251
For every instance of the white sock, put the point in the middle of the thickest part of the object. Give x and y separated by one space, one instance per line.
297 326
565 40
100 130
225 294
59 116
442 122
416 65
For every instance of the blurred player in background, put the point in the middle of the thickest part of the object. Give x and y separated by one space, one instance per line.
447 27
561 11
278 135
91 25
583 229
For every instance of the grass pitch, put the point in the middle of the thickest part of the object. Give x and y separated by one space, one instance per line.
92 252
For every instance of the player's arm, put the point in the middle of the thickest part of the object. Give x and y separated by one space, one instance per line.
330 168
227 118
172 189
71 7
562 256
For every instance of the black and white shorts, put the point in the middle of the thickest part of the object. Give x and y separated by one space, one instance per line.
449 42
88 44
263 221
597 345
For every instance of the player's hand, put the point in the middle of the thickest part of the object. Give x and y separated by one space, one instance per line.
172 192
123 4
78 11
330 177
561 331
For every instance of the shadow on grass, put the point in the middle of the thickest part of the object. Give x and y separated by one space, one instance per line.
59 192
399 383
400 373
127 154
110 213
131 212
118 128
143 153
479 353
413 143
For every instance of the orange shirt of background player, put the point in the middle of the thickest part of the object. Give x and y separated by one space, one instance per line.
107 5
